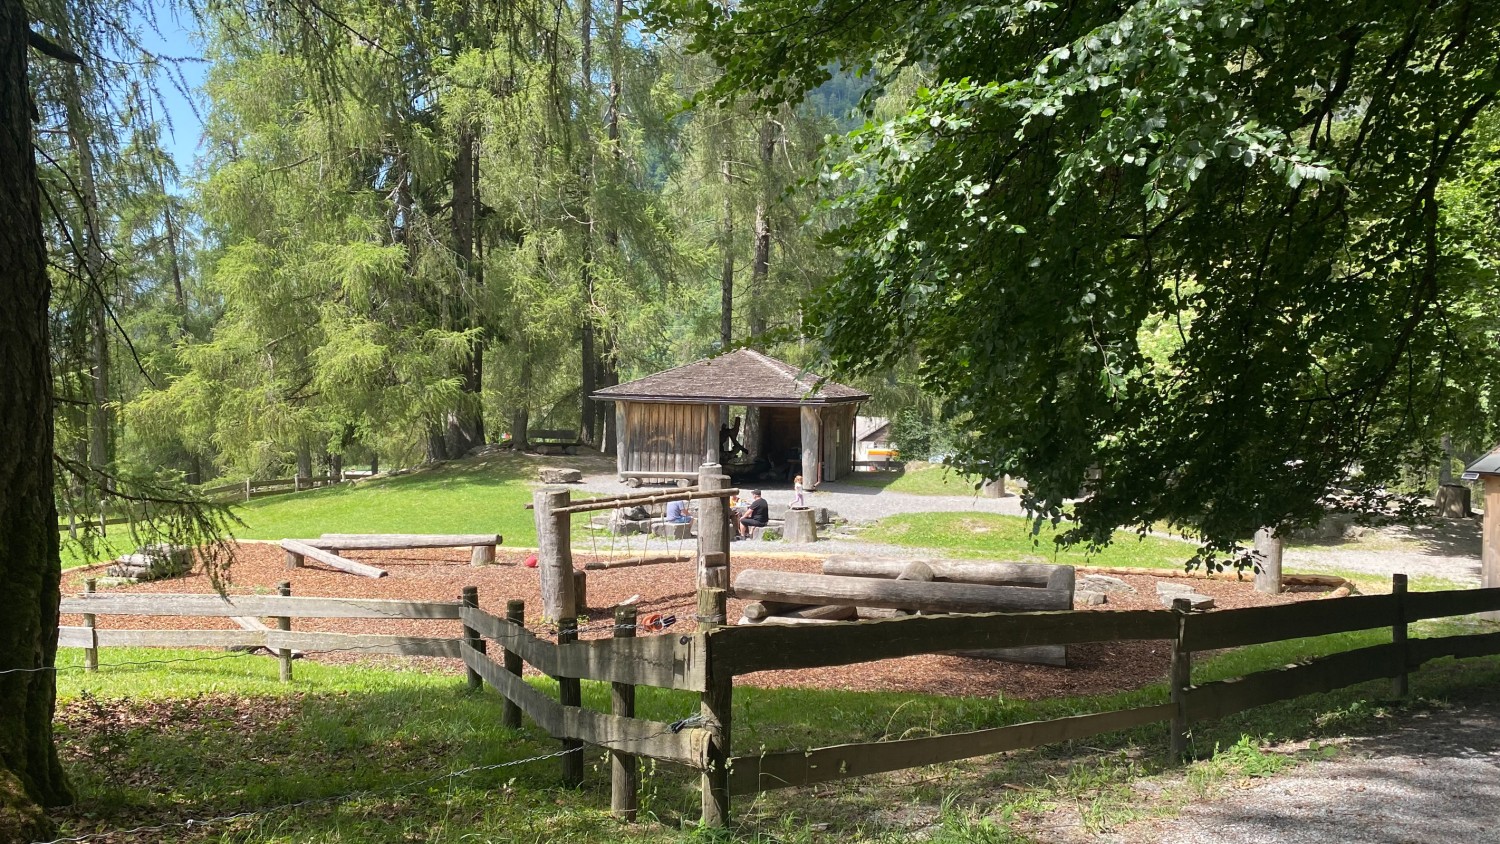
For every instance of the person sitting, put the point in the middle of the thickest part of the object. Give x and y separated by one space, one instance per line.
757 514
677 513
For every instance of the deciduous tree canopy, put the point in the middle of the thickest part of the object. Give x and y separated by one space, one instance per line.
1199 245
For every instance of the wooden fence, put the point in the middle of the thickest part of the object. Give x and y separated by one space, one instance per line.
248 489
707 660
247 610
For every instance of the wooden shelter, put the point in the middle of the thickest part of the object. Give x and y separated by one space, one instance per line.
668 424
1487 468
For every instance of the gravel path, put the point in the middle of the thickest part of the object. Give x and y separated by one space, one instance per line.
1435 781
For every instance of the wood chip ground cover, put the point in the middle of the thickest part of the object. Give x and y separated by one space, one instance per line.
440 575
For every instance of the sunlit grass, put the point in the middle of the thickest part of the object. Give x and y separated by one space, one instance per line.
1013 538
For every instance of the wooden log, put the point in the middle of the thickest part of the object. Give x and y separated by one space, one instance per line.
301 641
757 610
1400 683
916 571
77 637
482 555
624 773
580 592
994 488
137 603
1035 655
879 613
783 619
992 574
762 584
631 562
570 694
469 598
715 707
801 525
293 559
554 554
330 559
744 650
1180 681
91 652
1268 550
515 613
178 638
754 774
402 541
714 530
619 501
284 623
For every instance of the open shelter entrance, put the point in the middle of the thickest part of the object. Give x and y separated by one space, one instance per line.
670 423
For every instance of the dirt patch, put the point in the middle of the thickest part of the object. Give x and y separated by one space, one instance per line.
440 575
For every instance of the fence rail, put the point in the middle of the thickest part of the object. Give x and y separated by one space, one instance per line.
707 661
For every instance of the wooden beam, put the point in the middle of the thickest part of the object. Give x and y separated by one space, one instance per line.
1226 697
791 587
617 502
401 541
76 637
754 774
994 574
1420 651
1420 605
743 650
259 606
663 661
330 559
1255 625
655 739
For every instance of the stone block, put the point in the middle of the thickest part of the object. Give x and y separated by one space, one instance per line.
1105 584
558 475
1199 602
1089 599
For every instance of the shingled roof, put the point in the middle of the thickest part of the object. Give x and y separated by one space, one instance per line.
744 376
1486 465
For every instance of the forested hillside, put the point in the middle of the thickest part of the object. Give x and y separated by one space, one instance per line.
407 236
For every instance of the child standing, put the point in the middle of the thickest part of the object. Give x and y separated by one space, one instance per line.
798 501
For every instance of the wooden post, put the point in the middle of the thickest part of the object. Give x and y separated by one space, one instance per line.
713 529
995 488
624 772
515 613
293 559
554 554
91 653
715 705
622 448
812 442
470 598
1489 566
1181 680
482 555
247 489
801 525
570 693
1399 684
1268 547
285 623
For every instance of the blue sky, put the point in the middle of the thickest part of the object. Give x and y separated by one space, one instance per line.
175 39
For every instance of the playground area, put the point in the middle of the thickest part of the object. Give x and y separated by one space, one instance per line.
669 590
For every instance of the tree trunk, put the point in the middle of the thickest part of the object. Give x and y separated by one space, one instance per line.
304 459
589 363
466 421
30 773
521 416
91 250
726 278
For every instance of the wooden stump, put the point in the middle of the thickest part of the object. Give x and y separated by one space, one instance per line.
995 488
482 555
580 592
801 525
1268 547
1453 501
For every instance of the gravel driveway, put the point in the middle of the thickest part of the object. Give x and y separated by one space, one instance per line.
1434 781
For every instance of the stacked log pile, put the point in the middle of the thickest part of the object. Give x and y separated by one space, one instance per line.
153 562
860 588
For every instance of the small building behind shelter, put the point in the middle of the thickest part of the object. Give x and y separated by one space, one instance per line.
1487 470
670 423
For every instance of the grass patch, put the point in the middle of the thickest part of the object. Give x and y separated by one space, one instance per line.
919 479
156 743
996 537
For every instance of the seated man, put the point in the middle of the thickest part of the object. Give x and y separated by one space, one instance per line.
677 513
757 514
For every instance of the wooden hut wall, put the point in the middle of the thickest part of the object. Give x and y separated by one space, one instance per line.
664 437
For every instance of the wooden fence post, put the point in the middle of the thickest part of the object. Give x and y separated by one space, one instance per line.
91 653
472 639
1268 548
624 771
713 529
570 693
247 489
1181 680
285 623
515 612
1400 683
554 554
715 706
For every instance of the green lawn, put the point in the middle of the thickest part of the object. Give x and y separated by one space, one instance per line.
1010 538
918 479
161 743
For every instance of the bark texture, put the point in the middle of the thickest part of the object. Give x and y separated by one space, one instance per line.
29 770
